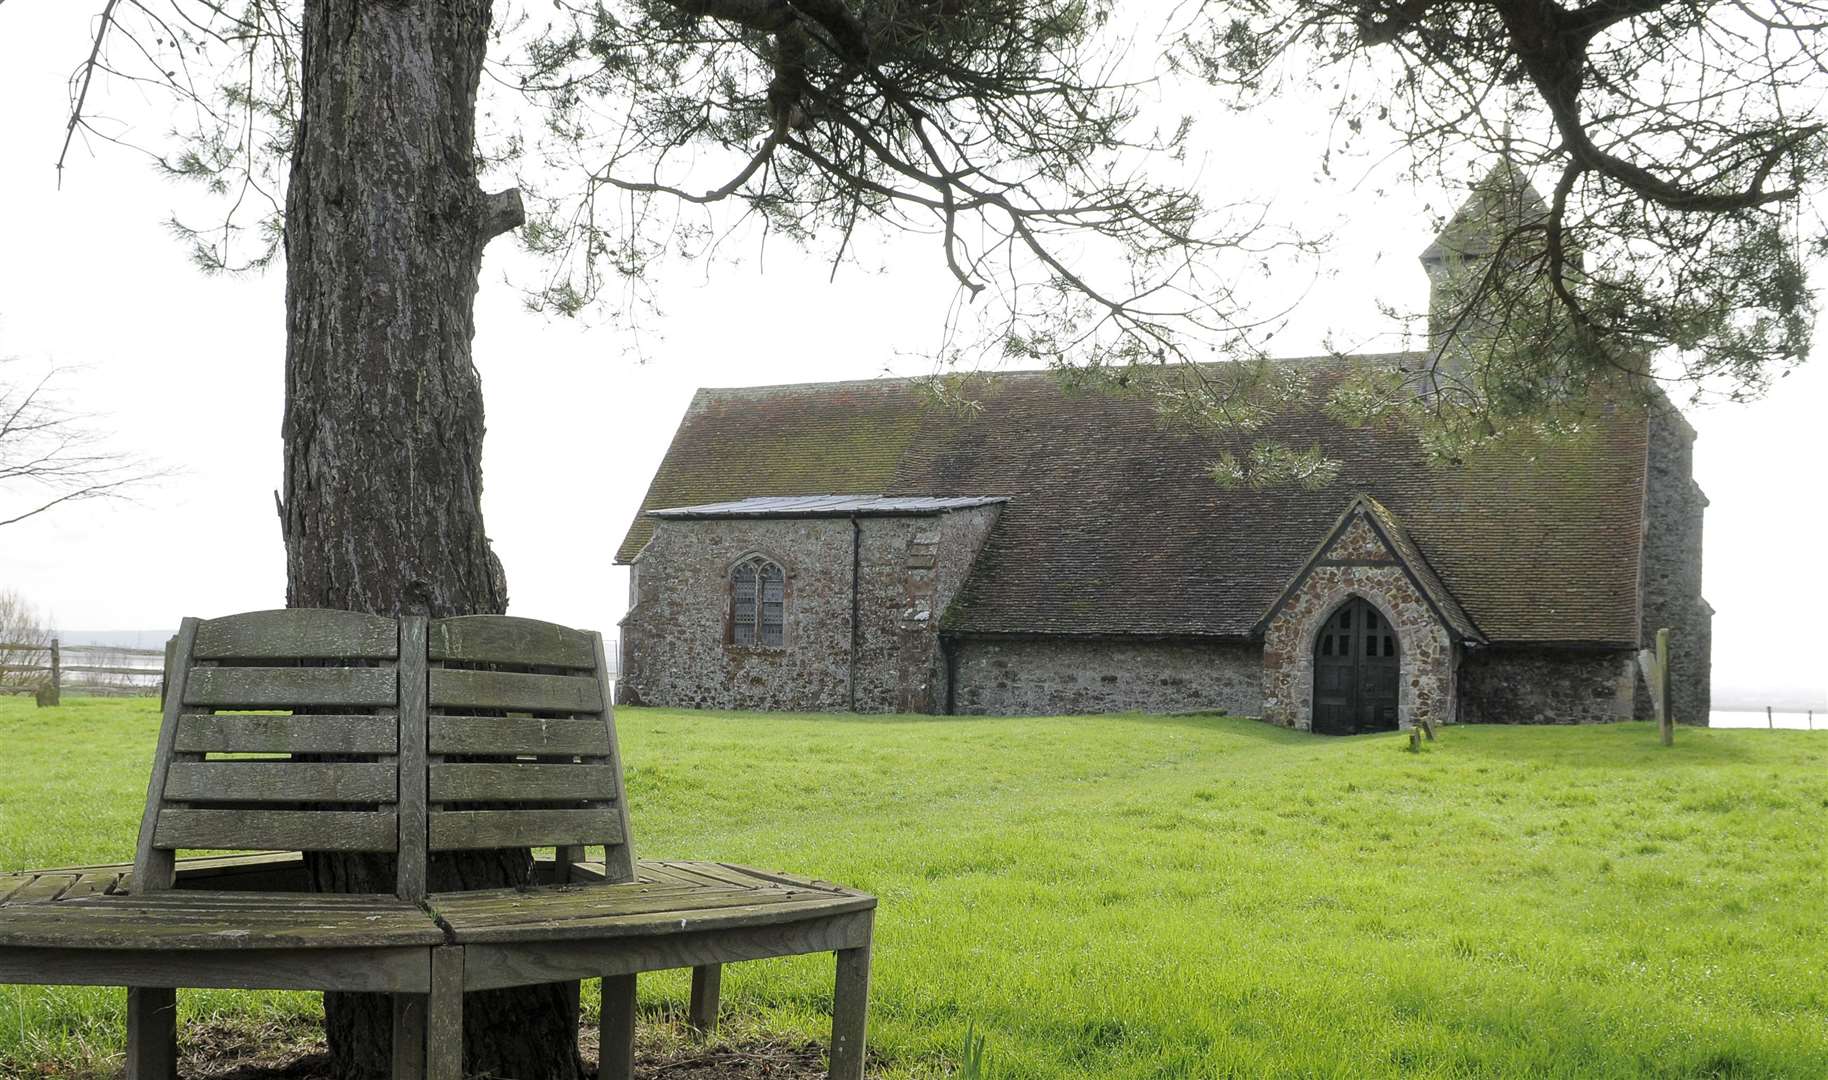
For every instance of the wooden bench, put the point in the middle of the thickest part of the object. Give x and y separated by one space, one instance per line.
405 738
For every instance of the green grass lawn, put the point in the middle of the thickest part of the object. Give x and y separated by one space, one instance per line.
1138 897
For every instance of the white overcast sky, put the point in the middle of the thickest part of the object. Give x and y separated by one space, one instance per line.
187 370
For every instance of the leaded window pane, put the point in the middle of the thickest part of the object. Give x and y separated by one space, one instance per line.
742 604
774 605
758 603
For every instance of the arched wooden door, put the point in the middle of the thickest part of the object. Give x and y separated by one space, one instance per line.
1356 670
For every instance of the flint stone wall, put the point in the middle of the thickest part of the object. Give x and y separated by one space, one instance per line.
1051 677
676 648
1546 686
1426 683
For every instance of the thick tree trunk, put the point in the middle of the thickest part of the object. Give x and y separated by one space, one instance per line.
385 229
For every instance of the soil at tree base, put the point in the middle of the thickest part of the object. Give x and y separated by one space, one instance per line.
252 1051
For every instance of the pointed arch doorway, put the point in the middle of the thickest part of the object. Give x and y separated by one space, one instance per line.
1356 671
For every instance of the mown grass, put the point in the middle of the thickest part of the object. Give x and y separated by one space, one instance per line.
1138 897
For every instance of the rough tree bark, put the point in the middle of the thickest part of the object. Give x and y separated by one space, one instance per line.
385 230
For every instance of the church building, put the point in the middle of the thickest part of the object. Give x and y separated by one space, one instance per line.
853 546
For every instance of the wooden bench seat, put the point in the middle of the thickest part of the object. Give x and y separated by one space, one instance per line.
334 731
564 912
222 921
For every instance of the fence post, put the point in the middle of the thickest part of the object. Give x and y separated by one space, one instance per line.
56 687
1768 724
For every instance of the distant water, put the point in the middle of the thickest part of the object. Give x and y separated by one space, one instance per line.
1796 720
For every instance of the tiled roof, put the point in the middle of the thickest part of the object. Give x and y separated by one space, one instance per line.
1115 527
777 506
1433 587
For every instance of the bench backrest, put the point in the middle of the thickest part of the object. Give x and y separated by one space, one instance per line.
384 736
281 730
521 741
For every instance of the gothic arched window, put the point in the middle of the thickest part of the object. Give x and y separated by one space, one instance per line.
758 603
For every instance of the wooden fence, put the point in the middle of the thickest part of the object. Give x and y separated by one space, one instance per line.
50 671
109 670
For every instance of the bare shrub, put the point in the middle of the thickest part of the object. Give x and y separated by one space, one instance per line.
20 625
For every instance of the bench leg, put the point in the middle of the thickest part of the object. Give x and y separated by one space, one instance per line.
444 1016
616 1032
707 984
152 1033
409 1036
850 1013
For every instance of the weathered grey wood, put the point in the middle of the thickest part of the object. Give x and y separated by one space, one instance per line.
171 653
850 1013
254 733
43 888
517 735
282 782
410 1024
444 1025
265 688
468 830
269 904
409 870
585 900
512 691
379 970
298 634
618 858
92 885
564 857
152 865
152 1033
707 987
521 782
700 915
616 1033
728 911
505 639
298 830
108 924
524 963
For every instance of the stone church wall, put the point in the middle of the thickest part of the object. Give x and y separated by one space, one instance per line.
674 644
912 568
1053 677
676 650
1546 686
1670 578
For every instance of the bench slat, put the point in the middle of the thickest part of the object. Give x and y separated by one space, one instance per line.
253 688
510 735
43 887
463 830
254 734
504 639
298 634
714 913
293 830
520 782
508 690
282 782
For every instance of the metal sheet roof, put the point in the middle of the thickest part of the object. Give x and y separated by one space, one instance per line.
829 506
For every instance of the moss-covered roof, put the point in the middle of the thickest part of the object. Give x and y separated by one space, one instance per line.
1115 526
